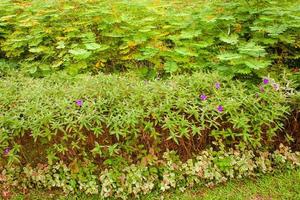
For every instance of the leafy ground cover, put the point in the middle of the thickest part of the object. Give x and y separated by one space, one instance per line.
276 187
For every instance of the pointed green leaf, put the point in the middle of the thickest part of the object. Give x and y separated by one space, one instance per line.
252 49
230 39
229 56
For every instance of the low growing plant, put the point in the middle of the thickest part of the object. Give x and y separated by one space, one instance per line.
207 168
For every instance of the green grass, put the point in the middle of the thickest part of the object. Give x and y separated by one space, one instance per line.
279 186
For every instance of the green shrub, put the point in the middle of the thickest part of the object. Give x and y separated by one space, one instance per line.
104 116
235 37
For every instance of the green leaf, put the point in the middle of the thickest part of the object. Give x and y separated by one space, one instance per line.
229 56
257 64
185 51
146 29
95 46
203 44
230 39
80 53
171 67
223 163
92 46
36 50
189 34
276 29
252 49
74 69
147 53
61 45
33 69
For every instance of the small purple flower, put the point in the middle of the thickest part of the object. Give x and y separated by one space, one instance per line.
220 108
6 151
266 81
203 97
276 86
79 102
218 85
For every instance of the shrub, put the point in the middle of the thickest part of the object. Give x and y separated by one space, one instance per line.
104 116
235 37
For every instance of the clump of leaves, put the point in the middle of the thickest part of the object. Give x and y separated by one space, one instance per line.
98 117
167 37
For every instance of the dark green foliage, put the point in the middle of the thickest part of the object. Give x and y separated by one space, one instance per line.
235 37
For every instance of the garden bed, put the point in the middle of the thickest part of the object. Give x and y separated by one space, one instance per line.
127 98
96 133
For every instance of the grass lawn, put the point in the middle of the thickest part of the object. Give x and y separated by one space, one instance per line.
279 186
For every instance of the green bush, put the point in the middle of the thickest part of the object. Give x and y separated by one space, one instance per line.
235 37
105 116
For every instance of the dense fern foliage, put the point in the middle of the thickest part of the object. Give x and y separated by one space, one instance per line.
234 37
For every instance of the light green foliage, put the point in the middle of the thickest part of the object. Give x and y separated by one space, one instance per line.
235 37
124 116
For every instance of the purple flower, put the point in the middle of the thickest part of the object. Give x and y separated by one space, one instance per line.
220 108
218 85
203 97
6 151
276 86
79 102
266 81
